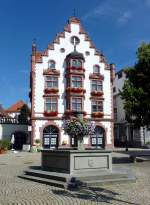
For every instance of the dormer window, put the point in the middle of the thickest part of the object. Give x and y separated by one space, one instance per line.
96 69
51 64
77 63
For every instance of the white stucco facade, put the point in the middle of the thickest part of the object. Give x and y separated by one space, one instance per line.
39 121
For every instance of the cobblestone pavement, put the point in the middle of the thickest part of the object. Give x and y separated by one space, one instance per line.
14 190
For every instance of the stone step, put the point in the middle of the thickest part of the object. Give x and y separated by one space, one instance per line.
101 176
47 175
45 181
84 177
111 181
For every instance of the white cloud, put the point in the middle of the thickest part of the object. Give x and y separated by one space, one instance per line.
111 9
147 2
125 17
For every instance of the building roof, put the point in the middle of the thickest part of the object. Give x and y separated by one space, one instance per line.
3 113
15 107
75 55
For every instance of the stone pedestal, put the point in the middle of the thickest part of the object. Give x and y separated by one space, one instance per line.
77 162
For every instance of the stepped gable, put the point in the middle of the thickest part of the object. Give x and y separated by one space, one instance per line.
67 28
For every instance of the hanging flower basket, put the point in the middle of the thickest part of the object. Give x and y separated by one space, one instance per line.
78 128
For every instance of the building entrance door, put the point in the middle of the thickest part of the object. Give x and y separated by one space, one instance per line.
20 138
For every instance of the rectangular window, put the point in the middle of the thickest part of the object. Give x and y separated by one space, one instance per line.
97 106
51 82
97 85
51 104
77 104
76 82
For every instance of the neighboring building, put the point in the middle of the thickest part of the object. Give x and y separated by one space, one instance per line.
124 131
70 77
11 126
3 113
14 110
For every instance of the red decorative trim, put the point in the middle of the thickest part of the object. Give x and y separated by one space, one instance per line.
96 76
51 95
75 68
50 114
51 90
51 46
51 72
97 114
97 93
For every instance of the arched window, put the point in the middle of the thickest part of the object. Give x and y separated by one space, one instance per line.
51 64
79 63
96 69
76 63
50 137
98 138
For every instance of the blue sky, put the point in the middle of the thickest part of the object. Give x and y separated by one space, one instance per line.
117 27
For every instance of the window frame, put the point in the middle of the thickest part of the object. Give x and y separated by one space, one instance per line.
76 81
98 69
77 61
52 81
50 63
96 103
98 83
51 103
77 98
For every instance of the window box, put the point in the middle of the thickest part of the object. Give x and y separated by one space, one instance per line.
50 114
51 72
51 90
75 90
97 114
76 68
97 76
71 112
97 93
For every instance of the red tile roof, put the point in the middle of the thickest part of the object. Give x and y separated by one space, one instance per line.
3 113
15 107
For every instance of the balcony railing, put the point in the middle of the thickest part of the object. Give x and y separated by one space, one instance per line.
6 120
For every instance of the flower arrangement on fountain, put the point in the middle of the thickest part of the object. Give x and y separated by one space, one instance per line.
79 128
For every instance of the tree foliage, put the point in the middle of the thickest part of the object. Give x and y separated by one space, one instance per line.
136 90
24 114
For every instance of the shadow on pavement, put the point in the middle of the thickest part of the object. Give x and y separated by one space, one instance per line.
94 194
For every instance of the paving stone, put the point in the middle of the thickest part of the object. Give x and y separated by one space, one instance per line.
17 191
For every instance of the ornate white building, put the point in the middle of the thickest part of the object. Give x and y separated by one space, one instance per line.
71 76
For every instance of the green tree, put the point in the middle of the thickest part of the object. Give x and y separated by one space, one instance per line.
25 113
136 90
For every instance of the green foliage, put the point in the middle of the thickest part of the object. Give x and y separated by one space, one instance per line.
136 90
5 144
25 113
37 141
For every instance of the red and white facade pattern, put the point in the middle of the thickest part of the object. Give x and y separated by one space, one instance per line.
65 81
